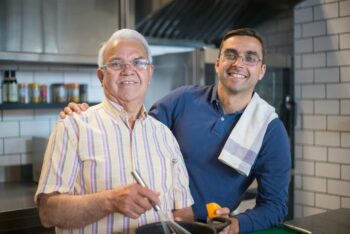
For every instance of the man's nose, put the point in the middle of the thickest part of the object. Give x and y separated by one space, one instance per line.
128 67
238 60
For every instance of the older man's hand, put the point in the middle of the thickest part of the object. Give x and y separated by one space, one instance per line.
133 200
73 107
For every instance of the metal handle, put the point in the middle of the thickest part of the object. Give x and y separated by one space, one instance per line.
141 182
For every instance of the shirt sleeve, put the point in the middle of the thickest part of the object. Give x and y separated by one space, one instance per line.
60 166
272 171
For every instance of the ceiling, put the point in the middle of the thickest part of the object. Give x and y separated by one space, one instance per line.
204 22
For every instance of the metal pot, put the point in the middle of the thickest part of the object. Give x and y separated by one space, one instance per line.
213 226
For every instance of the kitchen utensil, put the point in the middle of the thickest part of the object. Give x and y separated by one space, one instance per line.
166 221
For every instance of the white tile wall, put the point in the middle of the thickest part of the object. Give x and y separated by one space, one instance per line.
345 202
10 160
313 91
304 197
303 45
307 211
314 60
1 146
316 122
304 137
327 201
338 90
345 41
344 8
339 58
339 187
17 145
317 28
326 43
9 129
314 184
304 167
304 76
345 172
339 155
338 25
305 107
317 153
327 170
341 123
327 107
303 15
326 11
327 138
30 128
345 74
345 139
327 75
298 182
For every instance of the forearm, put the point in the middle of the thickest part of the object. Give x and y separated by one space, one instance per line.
73 211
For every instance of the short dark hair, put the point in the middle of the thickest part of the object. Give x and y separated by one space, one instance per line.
244 32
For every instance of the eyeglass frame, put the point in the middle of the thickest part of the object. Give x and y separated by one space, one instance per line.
123 64
244 56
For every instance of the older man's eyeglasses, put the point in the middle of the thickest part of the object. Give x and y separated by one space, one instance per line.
137 64
249 59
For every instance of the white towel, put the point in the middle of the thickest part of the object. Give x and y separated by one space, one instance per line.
245 140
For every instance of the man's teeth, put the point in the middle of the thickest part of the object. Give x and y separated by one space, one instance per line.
128 82
239 76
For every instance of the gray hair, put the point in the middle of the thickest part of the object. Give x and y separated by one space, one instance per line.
124 34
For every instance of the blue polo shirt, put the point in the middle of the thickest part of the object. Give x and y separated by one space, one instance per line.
195 116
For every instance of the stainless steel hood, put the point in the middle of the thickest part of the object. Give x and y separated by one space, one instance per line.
206 21
59 31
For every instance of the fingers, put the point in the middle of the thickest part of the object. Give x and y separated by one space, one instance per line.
84 106
134 200
73 107
223 212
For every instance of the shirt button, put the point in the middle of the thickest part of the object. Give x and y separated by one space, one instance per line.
222 118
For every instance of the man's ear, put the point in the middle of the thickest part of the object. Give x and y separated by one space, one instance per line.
100 75
262 71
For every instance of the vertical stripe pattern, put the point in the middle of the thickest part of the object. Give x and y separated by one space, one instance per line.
96 151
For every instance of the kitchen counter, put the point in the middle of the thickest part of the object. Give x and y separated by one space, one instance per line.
18 212
330 222
17 196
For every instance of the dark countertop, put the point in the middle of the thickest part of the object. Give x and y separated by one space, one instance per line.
17 196
18 212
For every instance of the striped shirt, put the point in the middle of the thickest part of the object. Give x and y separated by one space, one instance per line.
97 151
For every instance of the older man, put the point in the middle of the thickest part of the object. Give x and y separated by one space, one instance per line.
86 184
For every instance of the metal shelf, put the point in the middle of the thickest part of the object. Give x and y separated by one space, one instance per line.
17 106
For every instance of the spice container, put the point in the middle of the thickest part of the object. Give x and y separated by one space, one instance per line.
5 87
83 94
21 93
34 92
12 88
58 93
72 92
43 93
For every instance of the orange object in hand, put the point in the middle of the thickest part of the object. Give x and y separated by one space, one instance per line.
212 208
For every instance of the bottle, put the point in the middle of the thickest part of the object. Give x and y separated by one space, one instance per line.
83 94
21 93
5 87
12 88
34 92
43 93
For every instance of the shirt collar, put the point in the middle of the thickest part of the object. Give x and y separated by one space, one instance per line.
214 98
117 109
